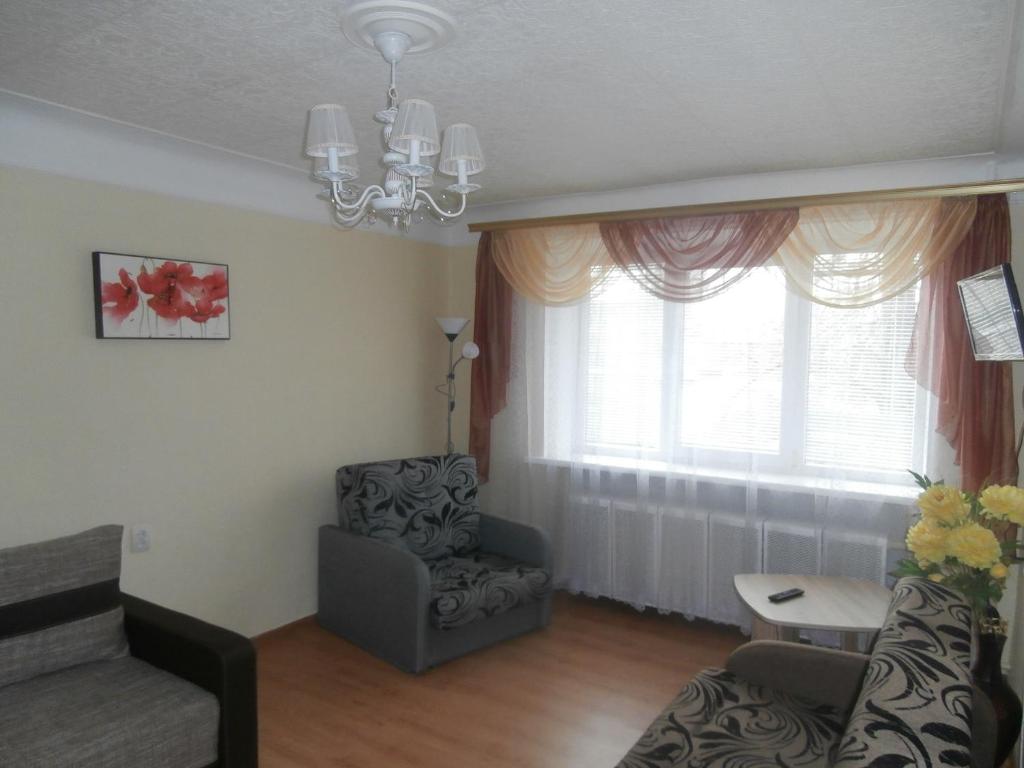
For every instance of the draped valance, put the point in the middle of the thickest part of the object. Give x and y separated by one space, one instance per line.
847 255
552 265
843 255
696 257
858 254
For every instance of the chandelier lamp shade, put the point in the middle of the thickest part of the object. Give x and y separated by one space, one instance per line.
410 141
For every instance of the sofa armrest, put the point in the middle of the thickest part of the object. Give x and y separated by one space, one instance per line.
820 674
217 660
517 541
375 594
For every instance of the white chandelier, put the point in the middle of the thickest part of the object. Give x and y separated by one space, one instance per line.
409 132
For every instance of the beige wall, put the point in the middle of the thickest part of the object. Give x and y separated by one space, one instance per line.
225 449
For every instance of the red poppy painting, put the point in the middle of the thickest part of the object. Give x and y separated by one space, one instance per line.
138 297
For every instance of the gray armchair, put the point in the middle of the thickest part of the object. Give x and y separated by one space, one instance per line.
416 575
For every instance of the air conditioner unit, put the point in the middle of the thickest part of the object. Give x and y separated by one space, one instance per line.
683 571
792 548
734 546
855 555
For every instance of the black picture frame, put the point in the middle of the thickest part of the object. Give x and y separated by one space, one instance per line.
192 303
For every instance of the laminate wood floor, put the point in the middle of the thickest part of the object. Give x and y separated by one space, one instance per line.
576 695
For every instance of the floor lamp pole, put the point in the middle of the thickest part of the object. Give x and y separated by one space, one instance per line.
450 446
452 327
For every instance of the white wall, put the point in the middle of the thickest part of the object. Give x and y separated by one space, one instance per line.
226 449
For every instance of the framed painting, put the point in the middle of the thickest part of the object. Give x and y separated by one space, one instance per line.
138 297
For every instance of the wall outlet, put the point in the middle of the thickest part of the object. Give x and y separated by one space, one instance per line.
140 539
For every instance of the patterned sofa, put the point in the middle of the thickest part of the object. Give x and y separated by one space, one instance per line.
416 575
910 703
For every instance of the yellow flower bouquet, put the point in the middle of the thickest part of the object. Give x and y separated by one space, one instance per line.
957 539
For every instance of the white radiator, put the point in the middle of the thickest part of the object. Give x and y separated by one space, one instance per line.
683 572
587 547
792 548
634 555
734 546
855 555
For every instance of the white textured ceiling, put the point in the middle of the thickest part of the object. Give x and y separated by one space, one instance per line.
568 96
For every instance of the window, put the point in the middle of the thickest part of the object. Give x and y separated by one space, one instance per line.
756 370
623 364
730 366
861 402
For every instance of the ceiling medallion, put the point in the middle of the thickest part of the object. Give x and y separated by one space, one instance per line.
410 141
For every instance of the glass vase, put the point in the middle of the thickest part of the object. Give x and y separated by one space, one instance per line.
987 671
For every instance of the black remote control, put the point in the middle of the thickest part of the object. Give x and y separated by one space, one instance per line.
789 594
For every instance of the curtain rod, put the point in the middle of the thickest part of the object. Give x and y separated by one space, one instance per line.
909 193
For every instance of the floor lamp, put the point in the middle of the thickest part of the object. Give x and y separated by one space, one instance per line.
452 327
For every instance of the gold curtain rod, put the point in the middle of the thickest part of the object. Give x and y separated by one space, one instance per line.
703 209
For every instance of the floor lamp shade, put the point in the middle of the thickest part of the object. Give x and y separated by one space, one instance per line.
452 326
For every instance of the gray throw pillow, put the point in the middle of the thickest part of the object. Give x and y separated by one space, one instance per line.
60 604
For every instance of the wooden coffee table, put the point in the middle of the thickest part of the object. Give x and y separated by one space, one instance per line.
847 606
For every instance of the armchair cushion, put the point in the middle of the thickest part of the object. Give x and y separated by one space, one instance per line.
464 589
60 604
722 719
427 505
108 714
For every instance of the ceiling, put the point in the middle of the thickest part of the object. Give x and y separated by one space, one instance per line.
570 96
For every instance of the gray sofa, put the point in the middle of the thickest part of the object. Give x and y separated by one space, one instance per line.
909 703
92 678
416 575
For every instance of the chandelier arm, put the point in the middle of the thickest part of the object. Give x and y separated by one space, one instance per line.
348 222
343 208
438 210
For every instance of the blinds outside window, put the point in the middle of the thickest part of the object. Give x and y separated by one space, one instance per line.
861 403
624 367
714 375
730 370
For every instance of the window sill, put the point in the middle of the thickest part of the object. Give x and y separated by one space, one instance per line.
891 493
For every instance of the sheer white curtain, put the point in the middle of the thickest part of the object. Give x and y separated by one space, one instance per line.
666 447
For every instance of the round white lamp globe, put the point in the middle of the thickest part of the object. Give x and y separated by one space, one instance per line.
470 351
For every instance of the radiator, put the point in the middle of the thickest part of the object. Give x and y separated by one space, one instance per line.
855 555
792 548
734 546
587 547
634 555
683 572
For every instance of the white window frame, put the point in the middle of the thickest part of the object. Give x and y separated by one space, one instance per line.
790 460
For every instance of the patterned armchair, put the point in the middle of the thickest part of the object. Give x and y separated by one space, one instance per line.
416 575
911 702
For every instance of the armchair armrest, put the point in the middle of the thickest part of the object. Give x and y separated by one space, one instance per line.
217 660
518 541
820 674
375 594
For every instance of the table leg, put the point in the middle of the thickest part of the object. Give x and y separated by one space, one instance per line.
789 634
848 641
762 630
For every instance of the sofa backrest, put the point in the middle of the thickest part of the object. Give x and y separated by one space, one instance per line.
915 702
60 604
427 505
